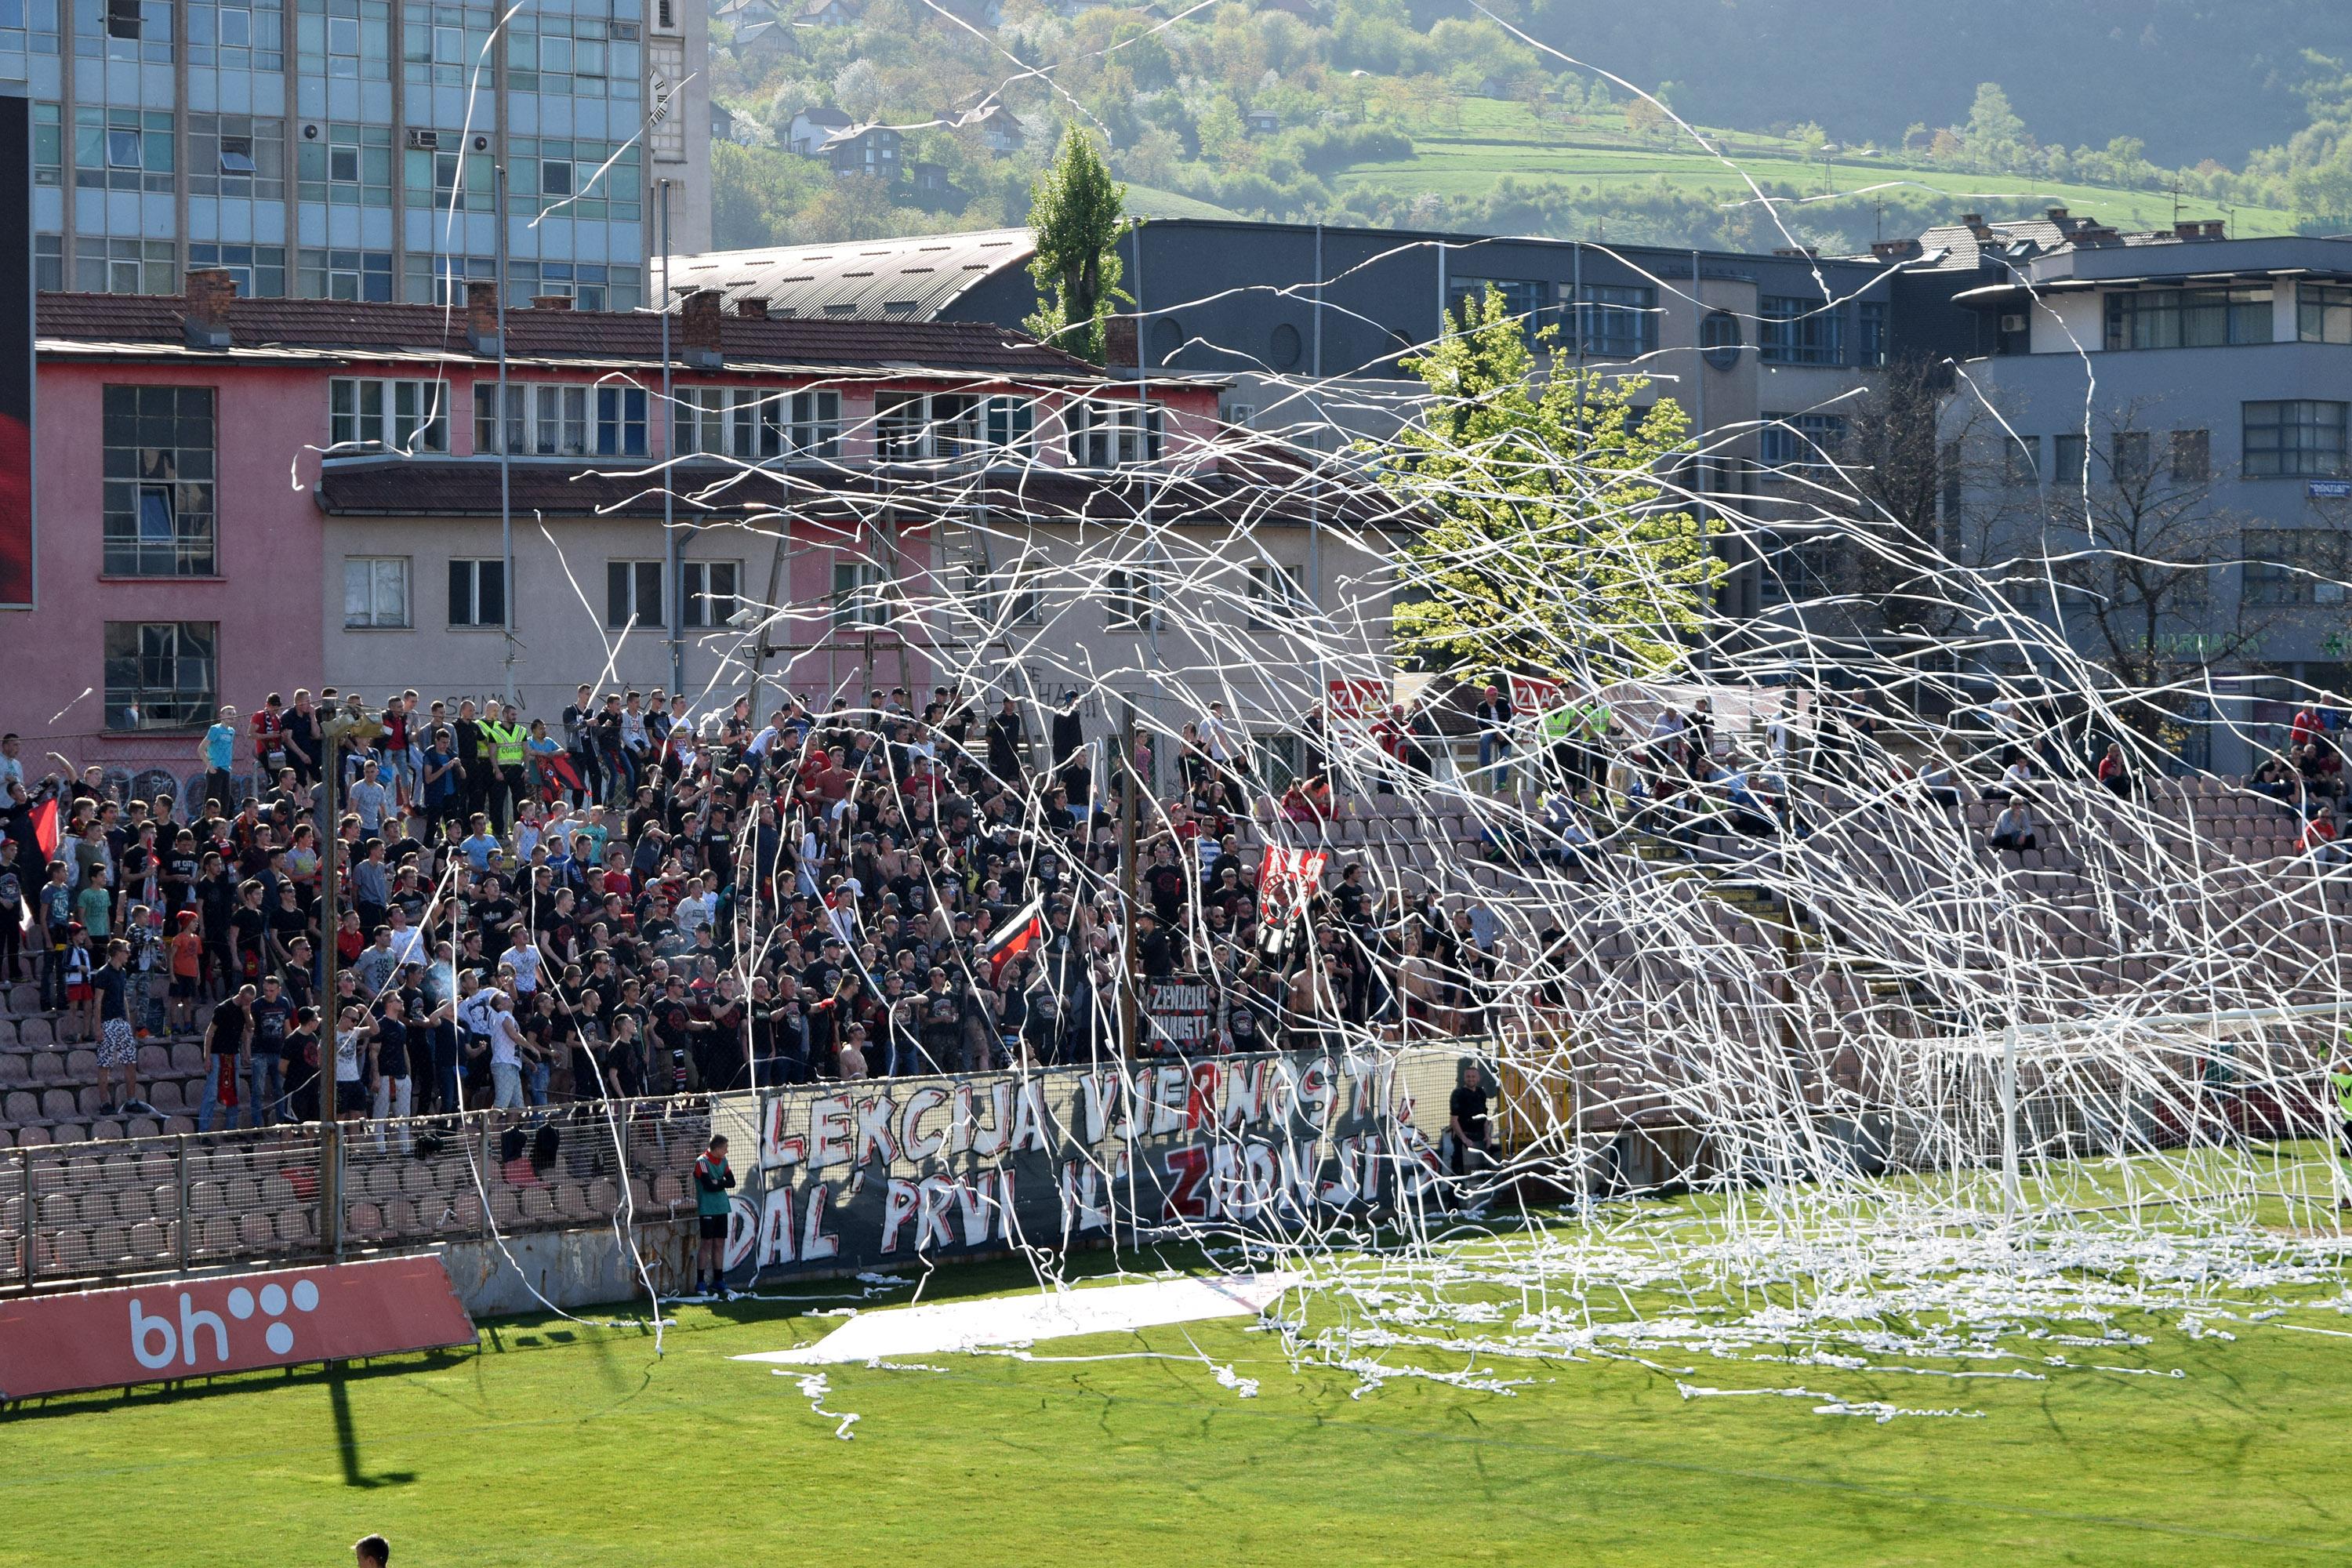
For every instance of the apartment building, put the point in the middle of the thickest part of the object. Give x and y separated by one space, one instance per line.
2177 401
284 493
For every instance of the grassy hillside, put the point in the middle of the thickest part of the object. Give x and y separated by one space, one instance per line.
1487 139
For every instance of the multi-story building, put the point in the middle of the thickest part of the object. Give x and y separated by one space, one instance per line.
284 493
1305 325
350 149
2156 452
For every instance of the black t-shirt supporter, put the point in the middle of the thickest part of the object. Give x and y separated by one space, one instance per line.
230 1025
1468 1107
271 1021
391 1048
112 989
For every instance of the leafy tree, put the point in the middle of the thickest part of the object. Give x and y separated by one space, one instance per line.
1077 209
1550 544
857 88
1994 130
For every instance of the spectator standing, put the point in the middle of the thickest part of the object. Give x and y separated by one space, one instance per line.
712 1181
1493 716
228 1042
117 1048
218 750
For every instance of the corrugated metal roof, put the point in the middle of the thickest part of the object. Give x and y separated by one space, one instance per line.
910 280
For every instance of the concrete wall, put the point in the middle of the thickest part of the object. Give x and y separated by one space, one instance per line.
570 1269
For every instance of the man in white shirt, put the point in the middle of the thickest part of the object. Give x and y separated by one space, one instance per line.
523 959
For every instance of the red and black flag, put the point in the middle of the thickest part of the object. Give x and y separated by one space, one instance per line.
1022 931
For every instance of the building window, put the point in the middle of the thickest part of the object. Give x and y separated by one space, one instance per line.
633 592
2127 464
403 416
48 262
345 164
48 144
1796 331
561 420
237 35
1615 321
1011 427
2023 461
749 423
161 674
2302 437
235 155
1870 334
710 593
1128 598
441 280
1274 596
2189 318
911 427
376 591
159 463
344 275
860 596
258 270
2324 315
1523 301
123 150
2294 566
125 266
1112 435
1794 441
2191 456
2069 454
585 179
447 182
477 593
590 286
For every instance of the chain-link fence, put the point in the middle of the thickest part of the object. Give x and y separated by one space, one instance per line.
72 1215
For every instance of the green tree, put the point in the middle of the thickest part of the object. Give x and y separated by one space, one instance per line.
1995 132
1551 544
1076 210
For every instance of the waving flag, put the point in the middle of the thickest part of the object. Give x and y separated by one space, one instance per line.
45 828
1022 931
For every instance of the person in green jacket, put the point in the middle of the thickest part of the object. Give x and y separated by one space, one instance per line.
711 1181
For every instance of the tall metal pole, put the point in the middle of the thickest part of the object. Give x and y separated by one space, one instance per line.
505 427
675 581
1315 490
331 866
1130 951
2011 1196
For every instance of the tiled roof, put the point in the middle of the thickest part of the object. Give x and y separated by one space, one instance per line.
130 324
1263 493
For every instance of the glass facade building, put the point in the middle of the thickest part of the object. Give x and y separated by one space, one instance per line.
347 148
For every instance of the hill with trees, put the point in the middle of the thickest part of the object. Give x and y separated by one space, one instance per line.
1389 111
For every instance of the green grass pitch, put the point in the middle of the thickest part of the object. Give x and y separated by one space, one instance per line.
560 1443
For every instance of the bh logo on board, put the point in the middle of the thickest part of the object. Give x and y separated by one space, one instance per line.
159 1340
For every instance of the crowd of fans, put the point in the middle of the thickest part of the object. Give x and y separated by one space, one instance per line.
649 901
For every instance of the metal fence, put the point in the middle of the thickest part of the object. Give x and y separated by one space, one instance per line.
78 1214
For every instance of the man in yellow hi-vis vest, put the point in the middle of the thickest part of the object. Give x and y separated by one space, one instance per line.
505 736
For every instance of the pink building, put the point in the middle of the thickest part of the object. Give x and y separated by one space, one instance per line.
241 497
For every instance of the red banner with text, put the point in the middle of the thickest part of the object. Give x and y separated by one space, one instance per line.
233 1322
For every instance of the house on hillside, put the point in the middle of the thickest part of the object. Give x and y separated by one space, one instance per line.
1263 122
934 192
760 35
813 127
867 150
999 131
828 13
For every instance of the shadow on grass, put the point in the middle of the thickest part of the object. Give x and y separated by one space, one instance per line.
151 1394
347 1442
